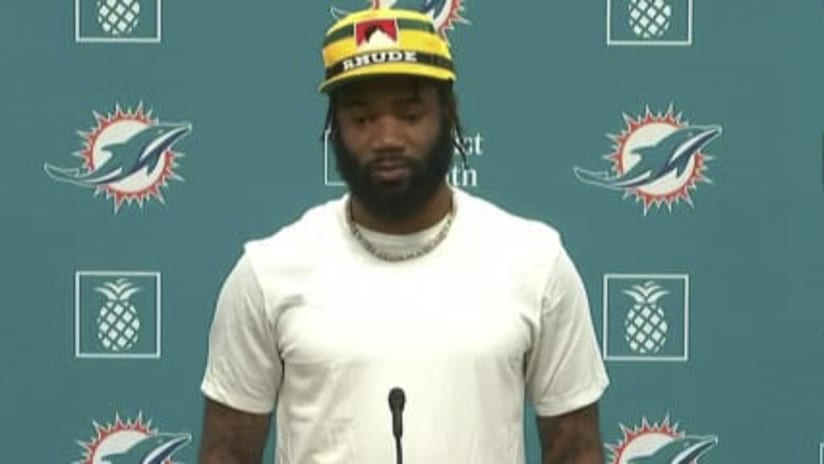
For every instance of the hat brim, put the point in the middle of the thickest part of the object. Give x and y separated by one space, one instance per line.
388 69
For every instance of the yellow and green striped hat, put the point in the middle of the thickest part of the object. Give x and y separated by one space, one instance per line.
384 41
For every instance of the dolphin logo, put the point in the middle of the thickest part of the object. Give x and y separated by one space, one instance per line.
338 13
154 449
434 8
671 154
143 150
684 450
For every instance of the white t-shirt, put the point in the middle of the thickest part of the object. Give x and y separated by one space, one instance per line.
310 323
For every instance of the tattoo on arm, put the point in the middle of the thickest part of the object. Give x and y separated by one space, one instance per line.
572 438
231 436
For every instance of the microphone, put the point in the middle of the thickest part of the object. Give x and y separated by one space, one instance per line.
397 400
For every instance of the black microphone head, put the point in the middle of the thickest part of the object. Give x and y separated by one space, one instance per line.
397 398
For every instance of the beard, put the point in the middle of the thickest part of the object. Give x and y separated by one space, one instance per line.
402 199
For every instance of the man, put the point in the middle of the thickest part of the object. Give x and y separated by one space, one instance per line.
402 282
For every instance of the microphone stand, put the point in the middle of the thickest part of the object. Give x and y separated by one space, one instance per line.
398 450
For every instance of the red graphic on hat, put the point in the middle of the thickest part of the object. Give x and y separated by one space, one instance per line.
364 31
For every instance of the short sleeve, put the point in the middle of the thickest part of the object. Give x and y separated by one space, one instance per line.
243 367
565 370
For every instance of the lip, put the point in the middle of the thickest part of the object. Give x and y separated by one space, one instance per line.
390 171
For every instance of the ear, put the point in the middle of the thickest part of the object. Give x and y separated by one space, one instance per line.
450 111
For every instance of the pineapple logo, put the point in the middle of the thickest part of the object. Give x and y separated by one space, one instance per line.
117 314
118 324
649 22
646 317
117 21
649 18
118 17
646 324
659 443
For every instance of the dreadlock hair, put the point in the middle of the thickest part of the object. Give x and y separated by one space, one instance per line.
447 97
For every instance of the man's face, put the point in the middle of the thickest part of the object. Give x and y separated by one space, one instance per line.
393 144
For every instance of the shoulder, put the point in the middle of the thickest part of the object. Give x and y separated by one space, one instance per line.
506 230
298 242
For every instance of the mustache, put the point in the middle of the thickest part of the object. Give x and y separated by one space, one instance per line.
393 158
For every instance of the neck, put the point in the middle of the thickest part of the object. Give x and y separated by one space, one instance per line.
432 212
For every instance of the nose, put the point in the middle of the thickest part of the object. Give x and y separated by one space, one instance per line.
387 135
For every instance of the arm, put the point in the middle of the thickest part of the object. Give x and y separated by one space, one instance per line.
571 438
566 375
243 372
231 436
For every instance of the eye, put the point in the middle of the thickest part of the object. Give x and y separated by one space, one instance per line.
358 119
412 117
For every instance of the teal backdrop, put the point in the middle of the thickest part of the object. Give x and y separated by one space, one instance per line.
709 310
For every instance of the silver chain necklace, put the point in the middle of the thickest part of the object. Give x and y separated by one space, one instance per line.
374 251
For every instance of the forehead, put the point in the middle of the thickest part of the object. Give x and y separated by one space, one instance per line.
387 89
